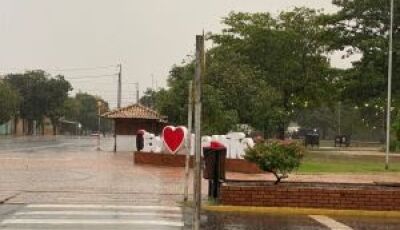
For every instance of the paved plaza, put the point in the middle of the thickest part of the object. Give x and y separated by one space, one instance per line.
64 183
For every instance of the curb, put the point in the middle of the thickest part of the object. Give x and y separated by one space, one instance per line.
301 211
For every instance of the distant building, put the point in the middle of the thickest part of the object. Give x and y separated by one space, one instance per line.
66 127
129 120
20 127
7 128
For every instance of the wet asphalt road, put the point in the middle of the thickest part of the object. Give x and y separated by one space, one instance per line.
34 210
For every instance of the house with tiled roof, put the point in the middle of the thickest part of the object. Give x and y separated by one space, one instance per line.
135 111
129 120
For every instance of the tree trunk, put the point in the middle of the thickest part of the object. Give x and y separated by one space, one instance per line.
281 131
281 128
30 127
42 128
278 178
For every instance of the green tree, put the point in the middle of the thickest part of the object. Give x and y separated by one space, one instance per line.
71 108
34 99
83 108
286 54
262 72
57 89
172 102
9 100
361 27
40 95
217 118
149 98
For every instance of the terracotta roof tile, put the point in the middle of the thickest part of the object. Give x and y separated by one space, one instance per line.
135 111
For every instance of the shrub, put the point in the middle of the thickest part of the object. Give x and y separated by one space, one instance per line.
279 158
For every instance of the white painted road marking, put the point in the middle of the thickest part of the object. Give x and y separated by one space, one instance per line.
95 206
93 216
98 213
330 223
94 222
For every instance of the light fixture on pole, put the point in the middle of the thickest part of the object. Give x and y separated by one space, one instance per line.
389 98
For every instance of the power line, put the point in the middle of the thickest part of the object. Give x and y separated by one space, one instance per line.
60 69
102 82
83 69
90 76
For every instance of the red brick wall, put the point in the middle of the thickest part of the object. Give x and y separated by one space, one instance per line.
169 160
331 196
242 166
158 159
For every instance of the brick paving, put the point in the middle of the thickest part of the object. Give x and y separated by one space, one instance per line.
79 176
87 176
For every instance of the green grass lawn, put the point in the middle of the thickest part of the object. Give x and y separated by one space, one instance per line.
330 162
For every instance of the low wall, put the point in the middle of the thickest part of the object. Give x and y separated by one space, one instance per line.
312 195
126 143
170 160
160 159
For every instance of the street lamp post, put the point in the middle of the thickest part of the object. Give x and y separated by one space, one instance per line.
389 98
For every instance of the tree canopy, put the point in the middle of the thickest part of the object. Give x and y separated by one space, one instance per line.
9 100
361 27
83 108
41 95
261 71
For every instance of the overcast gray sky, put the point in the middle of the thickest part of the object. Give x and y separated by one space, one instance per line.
147 37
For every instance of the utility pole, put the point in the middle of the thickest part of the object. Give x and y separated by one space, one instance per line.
119 93
389 98
137 93
197 125
188 141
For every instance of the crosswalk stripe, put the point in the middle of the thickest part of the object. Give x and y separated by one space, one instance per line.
330 223
94 222
46 216
94 206
97 213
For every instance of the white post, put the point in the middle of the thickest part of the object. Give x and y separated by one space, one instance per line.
189 141
389 98
197 125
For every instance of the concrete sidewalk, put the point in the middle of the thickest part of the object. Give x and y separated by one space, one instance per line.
324 177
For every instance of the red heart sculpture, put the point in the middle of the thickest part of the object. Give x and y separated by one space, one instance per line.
174 138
